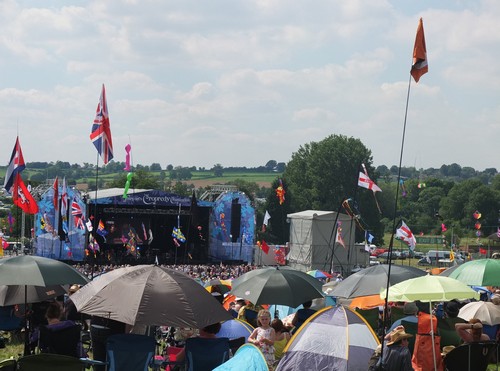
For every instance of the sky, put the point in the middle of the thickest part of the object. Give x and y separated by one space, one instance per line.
239 83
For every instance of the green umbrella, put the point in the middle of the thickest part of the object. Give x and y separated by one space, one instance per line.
481 272
430 288
28 270
278 285
38 271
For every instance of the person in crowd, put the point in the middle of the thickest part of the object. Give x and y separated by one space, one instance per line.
471 332
53 315
264 336
397 356
207 332
249 313
446 325
302 315
70 312
281 339
410 310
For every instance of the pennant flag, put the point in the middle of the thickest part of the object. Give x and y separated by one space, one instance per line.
483 251
22 197
177 233
101 230
338 235
265 247
265 223
403 187
404 234
16 166
144 233
419 66
55 199
11 220
443 228
64 199
476 215
280 193
42 223
150 239
176 243
100 134
368 240
365 182
89 226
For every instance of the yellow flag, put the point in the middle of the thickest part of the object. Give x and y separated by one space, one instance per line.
452 256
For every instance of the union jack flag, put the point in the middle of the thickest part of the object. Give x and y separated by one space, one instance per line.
77 213
100 134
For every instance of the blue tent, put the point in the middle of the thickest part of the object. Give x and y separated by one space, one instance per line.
248 357
334 338
235 328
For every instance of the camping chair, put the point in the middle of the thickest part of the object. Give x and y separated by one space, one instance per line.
130 352
235 344
411 328
371 316
396 314
8 365
472 356
49 362
206 354
9 322
65 341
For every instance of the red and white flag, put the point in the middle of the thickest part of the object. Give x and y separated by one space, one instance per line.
365 182
22 197
55 188
404 233
64 199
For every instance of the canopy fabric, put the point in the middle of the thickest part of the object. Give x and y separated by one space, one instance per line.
334 338
234 329
430 288
248 357
480 272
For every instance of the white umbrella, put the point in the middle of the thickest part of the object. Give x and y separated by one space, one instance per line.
150 295
486 311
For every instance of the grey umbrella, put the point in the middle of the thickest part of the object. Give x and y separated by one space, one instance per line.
370 281
28 270
150 295
279 285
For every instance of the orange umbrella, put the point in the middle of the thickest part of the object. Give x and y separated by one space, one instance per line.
365 302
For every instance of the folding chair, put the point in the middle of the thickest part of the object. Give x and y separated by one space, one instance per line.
8 365
206 354
235 344
472 356
49 362
371 316
64 341
130 352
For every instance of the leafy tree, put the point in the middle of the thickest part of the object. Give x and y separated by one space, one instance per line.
321 175
271 164
170 167
218 170
155 167
140 179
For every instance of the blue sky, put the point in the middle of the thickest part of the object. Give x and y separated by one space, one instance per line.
196 83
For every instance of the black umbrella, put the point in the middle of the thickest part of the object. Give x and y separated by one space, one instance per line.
370 281
279 285
28 270
15 294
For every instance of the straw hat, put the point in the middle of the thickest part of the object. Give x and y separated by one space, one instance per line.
74 288
398 335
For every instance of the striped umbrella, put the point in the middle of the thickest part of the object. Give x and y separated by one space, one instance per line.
319 274
334 338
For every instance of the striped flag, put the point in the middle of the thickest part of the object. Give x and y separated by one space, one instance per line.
100 134
16 165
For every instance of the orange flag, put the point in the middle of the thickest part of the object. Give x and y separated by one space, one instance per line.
419 66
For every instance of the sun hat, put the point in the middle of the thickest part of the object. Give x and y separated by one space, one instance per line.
398 335
74 288
447 349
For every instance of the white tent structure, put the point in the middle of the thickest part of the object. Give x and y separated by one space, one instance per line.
312 237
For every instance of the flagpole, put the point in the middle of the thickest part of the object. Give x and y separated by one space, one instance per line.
385 319
95 214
